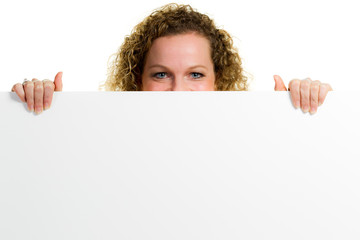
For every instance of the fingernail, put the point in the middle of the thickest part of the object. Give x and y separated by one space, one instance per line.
31 108
46 106
305 110
313 110
38 110
297 104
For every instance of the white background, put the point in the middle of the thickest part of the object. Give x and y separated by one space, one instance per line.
294 39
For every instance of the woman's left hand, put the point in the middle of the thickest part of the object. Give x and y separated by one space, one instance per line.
306 93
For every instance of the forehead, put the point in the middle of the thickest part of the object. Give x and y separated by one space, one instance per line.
188 46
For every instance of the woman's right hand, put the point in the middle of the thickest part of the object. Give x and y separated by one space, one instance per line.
38 94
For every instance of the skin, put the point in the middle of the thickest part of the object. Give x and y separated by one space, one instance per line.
179 63
177 56
38 94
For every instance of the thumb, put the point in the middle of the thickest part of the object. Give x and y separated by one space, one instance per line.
58 81
279 84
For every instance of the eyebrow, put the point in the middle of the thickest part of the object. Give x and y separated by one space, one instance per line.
195 66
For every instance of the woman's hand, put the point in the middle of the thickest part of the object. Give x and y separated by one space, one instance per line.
306 93
38 94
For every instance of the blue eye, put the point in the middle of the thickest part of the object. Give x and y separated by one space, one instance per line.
197 75
160 75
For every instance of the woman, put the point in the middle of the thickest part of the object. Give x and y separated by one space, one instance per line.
176 49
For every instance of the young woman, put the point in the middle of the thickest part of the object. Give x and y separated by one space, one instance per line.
176 49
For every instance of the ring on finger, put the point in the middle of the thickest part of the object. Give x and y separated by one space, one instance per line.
25 81
47 80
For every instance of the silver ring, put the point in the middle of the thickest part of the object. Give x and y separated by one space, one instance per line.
26 80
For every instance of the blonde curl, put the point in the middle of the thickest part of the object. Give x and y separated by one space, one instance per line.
126 67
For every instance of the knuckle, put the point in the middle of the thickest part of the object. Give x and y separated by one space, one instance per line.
315 87
38 86
324 87
49 86
295 83
305 86
28 85
314 99
29 96
316 83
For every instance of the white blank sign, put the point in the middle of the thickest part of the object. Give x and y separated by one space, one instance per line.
179 165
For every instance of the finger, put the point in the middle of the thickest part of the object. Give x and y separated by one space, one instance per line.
294 87
279 84
49 87
314 96
29 94
58 81
39 96
19 90
324 89
305 94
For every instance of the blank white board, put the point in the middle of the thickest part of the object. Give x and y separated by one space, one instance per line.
179 165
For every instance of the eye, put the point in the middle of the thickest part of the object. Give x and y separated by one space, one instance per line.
197 75
160 75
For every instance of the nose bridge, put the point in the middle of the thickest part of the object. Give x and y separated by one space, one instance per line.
179 83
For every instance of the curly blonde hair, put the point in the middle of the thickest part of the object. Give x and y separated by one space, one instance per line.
124 72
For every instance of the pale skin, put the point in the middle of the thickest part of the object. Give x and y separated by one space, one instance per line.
178 63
